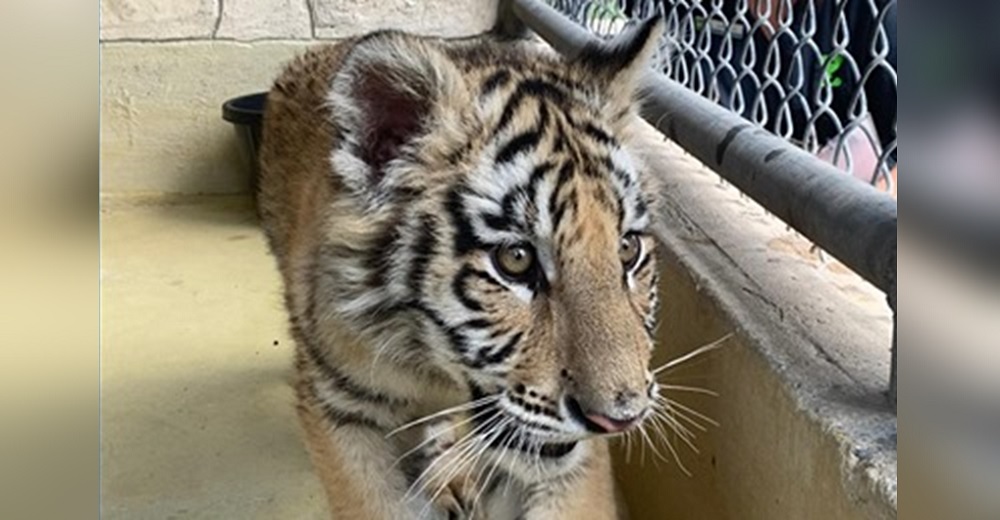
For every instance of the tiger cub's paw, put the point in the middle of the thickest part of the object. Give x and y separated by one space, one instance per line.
450 487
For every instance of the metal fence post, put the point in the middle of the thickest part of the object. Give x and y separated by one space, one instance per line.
508 24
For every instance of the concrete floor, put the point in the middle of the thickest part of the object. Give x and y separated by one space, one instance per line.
197 415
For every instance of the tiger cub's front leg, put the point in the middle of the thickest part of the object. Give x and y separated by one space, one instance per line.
587 494
447 476
359 472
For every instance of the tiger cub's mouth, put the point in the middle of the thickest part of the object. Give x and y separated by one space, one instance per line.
515 438
506 427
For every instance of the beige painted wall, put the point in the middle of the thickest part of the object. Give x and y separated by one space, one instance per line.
766 460
167 66
804 429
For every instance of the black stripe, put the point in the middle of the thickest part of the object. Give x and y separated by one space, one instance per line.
544 90
536 409
500 355
598 135
304 332
522 143
494 82
508 219
343 383
459 153
650 326
536 177
602 197
560 213
562 141
556 450
565 175
641 208
482 413
568 204
413 466
529 87
408 193
497 333
500 222
622 176
566 84
477 324
645 263
456 339
423 249
477 392
484 276
552 450
343 418
378 258
459 289
621 213
559 144
465 237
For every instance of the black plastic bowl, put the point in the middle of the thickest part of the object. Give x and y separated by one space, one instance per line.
246 113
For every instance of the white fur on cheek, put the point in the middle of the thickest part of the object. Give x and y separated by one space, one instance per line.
630 276
631 195
351 169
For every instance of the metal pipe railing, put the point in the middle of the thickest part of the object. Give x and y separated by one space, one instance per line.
852 221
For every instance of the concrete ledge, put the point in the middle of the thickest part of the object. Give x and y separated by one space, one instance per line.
805 428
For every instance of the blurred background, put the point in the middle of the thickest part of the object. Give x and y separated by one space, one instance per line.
49 263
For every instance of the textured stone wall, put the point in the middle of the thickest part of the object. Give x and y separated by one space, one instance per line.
249 20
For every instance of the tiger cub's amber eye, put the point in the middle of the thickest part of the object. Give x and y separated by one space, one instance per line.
515 260
630 250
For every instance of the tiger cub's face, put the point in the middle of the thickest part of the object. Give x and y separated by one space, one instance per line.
512 228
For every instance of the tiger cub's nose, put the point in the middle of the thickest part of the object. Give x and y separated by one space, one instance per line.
602 423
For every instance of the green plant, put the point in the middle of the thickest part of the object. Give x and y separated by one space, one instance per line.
832 65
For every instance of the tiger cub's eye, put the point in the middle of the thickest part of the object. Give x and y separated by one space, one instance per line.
630 250
515 261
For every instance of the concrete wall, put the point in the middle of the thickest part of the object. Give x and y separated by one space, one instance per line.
804 429
250 20
168 65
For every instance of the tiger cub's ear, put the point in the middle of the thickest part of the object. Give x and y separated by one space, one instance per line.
390 90
618 66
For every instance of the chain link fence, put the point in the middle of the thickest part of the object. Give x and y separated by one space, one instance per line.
818 73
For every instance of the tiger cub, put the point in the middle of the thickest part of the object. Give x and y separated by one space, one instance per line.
464 230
